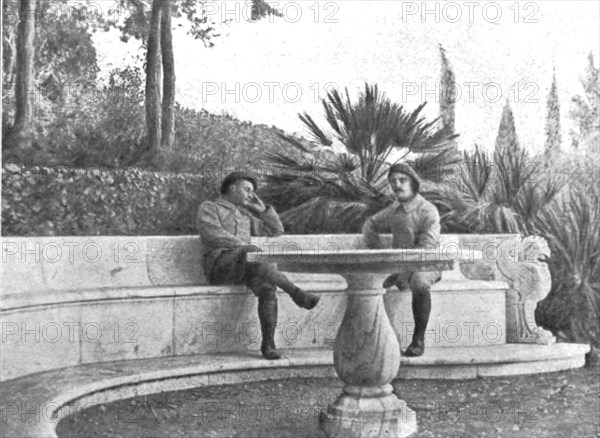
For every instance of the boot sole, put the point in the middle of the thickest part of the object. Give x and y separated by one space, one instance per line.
407 354
267 356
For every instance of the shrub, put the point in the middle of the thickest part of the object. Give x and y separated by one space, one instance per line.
40 201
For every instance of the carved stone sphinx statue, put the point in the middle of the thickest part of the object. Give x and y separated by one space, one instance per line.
522 263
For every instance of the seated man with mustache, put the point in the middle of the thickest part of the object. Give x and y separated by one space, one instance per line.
414 223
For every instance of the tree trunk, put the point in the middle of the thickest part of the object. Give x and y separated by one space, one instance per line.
22 132
153 68
168 62
9 53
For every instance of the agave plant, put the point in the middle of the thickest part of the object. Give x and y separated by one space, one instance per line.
503 193
572 228
512 194
335 191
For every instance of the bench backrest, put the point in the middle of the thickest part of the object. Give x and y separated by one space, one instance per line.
38 264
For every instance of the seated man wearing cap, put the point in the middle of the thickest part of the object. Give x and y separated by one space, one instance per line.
414 223
225 228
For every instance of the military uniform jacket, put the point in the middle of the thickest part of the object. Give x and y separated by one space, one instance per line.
225 226
413 224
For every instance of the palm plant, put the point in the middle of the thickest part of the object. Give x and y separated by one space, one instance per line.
503 193
335 192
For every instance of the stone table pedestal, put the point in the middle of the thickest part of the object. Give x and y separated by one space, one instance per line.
366 355
367 358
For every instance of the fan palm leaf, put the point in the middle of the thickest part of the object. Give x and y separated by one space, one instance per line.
353 182
497 194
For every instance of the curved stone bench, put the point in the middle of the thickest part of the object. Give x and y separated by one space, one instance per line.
129 298
33 405
75 300
96 307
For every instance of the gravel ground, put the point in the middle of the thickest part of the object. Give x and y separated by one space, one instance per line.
563 404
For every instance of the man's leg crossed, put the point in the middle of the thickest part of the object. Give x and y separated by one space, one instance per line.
269 273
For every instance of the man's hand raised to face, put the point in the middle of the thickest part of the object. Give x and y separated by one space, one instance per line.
255 204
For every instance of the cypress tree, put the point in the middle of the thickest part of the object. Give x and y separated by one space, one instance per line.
553 133
506 140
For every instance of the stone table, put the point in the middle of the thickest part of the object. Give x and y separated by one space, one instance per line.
367 353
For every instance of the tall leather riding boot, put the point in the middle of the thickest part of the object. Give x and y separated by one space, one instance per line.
267 314
421 307
269 272
303 299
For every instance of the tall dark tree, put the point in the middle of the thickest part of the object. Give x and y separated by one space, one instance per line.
22 131
447 94
553 132
506 140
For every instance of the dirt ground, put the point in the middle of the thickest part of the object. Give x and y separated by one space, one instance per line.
562 404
